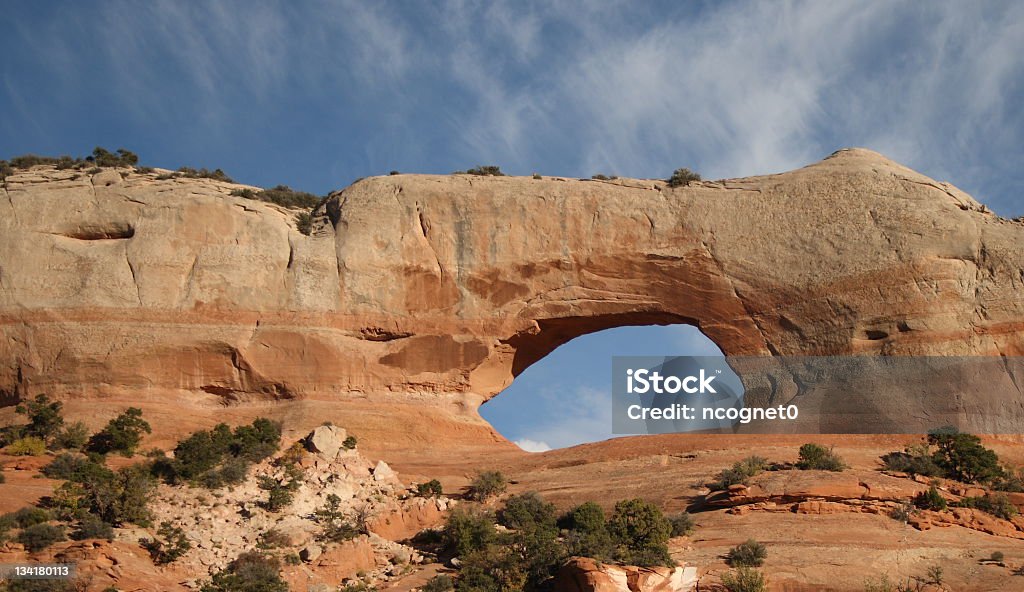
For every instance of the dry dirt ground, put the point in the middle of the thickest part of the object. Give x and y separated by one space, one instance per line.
805 552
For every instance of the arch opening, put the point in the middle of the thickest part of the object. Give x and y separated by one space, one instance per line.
563 398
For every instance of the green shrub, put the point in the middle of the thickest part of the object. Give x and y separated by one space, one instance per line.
682 524
748 554
640 533
28 516
744 579
537 176
28 446
44 417
486 171
487 484
92 527
219 456
599 177
682 177
588 534
997 556
350 443
431 488
817 457
40 536
527 510
250 572
439 583
72 437
740 473
287 197
963 458
335 524
104 158
304 223
466 531
274 539
280 491
121 434
123 498
77 468
930 500
914 460
203 173
169 545
998 505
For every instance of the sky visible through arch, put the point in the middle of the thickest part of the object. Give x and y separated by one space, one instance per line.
316 94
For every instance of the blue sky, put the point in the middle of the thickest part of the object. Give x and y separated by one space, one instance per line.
316 94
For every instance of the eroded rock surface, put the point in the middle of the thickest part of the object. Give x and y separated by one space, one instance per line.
418 297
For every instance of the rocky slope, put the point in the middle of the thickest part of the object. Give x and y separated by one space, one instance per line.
419 297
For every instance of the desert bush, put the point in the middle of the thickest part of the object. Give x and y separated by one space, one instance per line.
817 457
588 534
748 554
486 171
304 223
682 177
527 510
902 512
285 196
104 158
92 527
537 176
274 539
350 442
219 456
745 579
40 536
169 545
280 491
77 468
682 524
740 472
997 556
914 460
599 177
431 488
930 499
123 498
121 434
963 457
203 173
250 572
439 583
998 505
337 527
466 531
640 533
28 446
28 516
44 417
72 437
487 484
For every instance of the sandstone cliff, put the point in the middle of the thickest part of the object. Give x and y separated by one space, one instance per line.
418 297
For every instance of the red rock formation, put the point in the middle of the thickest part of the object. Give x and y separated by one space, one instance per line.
419 297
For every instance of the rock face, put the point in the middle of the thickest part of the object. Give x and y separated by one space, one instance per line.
419 297
583 574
